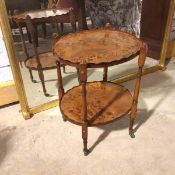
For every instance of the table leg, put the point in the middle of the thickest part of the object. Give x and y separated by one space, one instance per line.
83 78
78 75
55 28
36 34
31 76
29 36
44 30
60 83
23 42
85 138
105 74
41 77
62 27
141 63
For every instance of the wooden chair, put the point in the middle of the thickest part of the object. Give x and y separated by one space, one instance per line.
40 61
62 4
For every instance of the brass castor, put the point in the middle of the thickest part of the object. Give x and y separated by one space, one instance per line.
131 133
46 94
64 119
34 81
86 152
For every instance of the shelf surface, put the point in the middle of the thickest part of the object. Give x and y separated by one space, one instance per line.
106 102
46 59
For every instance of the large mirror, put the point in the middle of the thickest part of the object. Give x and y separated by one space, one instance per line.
139 17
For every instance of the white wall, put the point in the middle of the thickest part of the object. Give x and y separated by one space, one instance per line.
5 70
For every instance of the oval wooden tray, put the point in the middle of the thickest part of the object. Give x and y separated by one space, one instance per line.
106 102
97 46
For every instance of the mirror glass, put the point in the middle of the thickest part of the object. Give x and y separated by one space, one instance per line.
128 20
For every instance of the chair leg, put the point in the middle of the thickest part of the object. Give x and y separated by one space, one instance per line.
64 69
44 30
36 35
73 27
85 138
41 76
31 76
29 36
57 30
62 27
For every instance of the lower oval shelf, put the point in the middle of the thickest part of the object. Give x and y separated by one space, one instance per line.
106 102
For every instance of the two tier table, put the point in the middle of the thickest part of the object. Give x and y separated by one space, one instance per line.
102 102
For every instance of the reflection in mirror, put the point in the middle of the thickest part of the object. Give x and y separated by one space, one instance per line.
33 42
41 85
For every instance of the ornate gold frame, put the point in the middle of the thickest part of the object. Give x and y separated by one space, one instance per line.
168 49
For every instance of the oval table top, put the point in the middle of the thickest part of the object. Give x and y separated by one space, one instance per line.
97 46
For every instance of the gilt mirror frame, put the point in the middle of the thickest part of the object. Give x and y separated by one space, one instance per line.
167 49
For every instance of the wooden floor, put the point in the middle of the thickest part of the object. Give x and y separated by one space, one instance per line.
8 93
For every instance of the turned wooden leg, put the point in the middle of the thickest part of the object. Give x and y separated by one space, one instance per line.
133 117
36 35
57 30
105 74
85 138
23 41
78 75
64 69
60 84
62 27
83 77
73 27
141 62
44 30
131 131
29 36
31 76
41 76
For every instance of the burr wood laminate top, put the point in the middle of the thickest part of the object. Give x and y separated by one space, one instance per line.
106 102
97 46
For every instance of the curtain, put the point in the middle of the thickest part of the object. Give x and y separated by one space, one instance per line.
121 14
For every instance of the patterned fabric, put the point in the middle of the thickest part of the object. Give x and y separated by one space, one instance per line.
121 14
